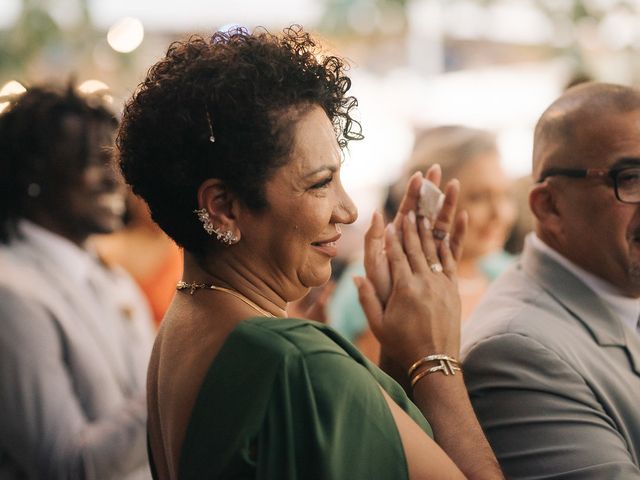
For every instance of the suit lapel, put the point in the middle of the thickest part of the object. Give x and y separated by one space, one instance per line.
582 302
94 318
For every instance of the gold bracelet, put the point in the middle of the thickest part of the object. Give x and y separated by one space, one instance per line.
450 363
440 368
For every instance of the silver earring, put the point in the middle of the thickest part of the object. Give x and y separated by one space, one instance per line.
33 190
225 236
204 217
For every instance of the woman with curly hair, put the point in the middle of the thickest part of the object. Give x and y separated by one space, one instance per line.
235 145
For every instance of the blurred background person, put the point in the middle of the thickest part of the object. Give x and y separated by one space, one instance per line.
471 155
75 335
524 218
146 253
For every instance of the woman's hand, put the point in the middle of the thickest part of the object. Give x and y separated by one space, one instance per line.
376 263
421 312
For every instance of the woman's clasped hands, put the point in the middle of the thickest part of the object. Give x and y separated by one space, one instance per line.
410 294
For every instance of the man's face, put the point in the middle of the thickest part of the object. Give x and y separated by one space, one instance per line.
85 193
600 233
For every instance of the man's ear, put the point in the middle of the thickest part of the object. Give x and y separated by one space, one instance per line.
219 202
543 202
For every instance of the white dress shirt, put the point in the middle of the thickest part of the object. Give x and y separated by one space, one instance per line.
74 346
627 309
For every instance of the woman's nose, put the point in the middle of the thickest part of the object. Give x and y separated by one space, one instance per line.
346 211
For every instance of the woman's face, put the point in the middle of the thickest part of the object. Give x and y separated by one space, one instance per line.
486 195
295 238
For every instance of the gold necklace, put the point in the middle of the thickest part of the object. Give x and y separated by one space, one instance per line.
193 286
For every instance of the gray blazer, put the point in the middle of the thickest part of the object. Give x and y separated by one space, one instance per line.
553 376
72 374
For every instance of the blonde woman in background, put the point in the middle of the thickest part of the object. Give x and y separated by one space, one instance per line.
471 155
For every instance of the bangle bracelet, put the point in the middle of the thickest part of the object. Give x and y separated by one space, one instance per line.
450 362
427 371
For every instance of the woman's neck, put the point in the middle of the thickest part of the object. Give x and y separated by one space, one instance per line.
225 274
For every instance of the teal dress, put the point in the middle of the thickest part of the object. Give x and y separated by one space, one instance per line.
291 399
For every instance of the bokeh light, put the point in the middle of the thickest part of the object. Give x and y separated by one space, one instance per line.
9 89
126 35
96 87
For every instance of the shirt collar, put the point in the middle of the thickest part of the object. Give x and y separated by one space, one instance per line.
69 258
624 307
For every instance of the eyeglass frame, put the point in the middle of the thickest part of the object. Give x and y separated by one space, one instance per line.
611 173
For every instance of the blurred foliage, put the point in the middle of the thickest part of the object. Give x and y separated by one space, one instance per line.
37 37
344 16
36 34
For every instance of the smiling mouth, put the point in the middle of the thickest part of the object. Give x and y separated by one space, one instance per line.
325 244
112 201
328 247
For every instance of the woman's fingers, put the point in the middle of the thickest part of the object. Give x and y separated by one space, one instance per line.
412 244
370 304
449 266
458 235
398 263
434 174
410 200
375 259
429 248
444 221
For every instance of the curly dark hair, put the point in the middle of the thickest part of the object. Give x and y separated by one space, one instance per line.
31 133
253 87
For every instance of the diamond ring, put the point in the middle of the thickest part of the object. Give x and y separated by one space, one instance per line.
436 267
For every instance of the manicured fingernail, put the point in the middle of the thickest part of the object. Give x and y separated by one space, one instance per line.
411 216
426 223
391 229
357 281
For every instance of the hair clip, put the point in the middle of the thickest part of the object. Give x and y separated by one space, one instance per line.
212 137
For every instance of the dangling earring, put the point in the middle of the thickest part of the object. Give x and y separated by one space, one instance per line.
225 237
33 190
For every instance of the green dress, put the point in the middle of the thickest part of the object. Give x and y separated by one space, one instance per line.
291 399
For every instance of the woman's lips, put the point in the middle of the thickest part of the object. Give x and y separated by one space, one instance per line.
328 247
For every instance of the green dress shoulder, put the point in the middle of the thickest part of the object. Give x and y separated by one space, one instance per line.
291 399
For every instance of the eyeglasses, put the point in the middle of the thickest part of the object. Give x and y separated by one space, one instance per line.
626 180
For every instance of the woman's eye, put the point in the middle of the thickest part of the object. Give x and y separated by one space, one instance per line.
322 183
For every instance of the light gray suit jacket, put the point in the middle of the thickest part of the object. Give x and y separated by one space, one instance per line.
554 376
72 374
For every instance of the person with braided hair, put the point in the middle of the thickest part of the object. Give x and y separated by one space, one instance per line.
75 334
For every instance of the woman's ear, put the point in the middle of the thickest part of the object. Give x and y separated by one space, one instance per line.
543 202
218 201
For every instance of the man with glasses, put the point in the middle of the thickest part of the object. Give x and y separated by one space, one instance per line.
552 354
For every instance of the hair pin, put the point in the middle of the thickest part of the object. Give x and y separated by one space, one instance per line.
212 137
